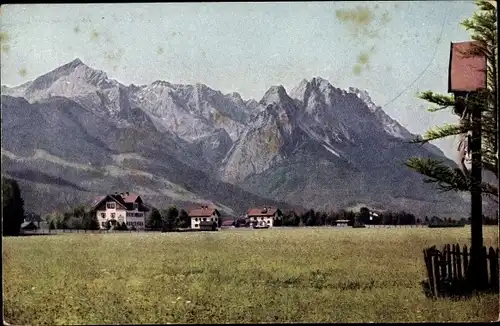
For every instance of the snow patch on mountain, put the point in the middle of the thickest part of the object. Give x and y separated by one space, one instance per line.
331 151
391 126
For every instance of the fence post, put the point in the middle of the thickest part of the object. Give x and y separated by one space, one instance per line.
436 269
442 263
493 258
430 263
466 260
448 261
459 262
455 266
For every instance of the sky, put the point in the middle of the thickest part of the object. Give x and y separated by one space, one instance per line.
381 47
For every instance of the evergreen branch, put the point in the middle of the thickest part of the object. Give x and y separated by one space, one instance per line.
443 101
444 131
446 178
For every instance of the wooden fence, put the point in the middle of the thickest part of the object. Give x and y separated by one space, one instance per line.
448 269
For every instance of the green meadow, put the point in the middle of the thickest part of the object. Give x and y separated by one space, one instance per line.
240 276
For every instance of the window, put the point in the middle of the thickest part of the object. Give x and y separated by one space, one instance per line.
216 219
196 219
110 205
103 224
212 219
113 215
136 205
196 225
204 219
103 215
262 218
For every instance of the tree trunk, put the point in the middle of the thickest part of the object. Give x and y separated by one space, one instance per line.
475 271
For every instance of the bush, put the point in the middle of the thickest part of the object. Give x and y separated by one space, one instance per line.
12 207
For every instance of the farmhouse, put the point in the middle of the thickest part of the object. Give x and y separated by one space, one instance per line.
122 208
203 214
263 217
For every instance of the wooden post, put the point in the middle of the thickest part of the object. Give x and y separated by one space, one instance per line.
493 258
455 254
442 263
484 269
466 260
459 263
449 262
467 77
474 273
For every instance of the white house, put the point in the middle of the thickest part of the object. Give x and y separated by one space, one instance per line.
123 208
263 217
203 215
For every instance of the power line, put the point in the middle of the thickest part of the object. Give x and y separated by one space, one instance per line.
425 69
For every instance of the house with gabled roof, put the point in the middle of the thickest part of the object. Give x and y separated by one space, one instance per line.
263 217
120 208
203 215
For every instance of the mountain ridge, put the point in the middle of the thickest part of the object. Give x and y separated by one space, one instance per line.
247 144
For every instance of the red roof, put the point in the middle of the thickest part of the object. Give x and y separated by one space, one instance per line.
97 200
202 212
467 70
125 200
262 211
227 223
130 198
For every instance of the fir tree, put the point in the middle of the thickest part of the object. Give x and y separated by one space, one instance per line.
473 129
482 26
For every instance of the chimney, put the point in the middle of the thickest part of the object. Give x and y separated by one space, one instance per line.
127 193
116 193
121 194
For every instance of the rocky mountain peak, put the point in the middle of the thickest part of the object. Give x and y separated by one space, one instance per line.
275 94
317 146
75 63
365 97
162 83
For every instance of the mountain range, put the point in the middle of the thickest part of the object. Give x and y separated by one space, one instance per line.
73 134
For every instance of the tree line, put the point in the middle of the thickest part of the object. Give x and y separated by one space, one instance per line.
167 219
77 218
362 217
81 217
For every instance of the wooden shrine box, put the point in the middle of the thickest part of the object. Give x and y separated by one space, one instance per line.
467 71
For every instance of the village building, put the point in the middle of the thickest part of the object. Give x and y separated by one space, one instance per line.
263 217
228 224
341 223
203 216
120 208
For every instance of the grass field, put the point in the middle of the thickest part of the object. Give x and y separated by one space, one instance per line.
275 275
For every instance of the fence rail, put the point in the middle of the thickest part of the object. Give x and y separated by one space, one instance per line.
447 269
